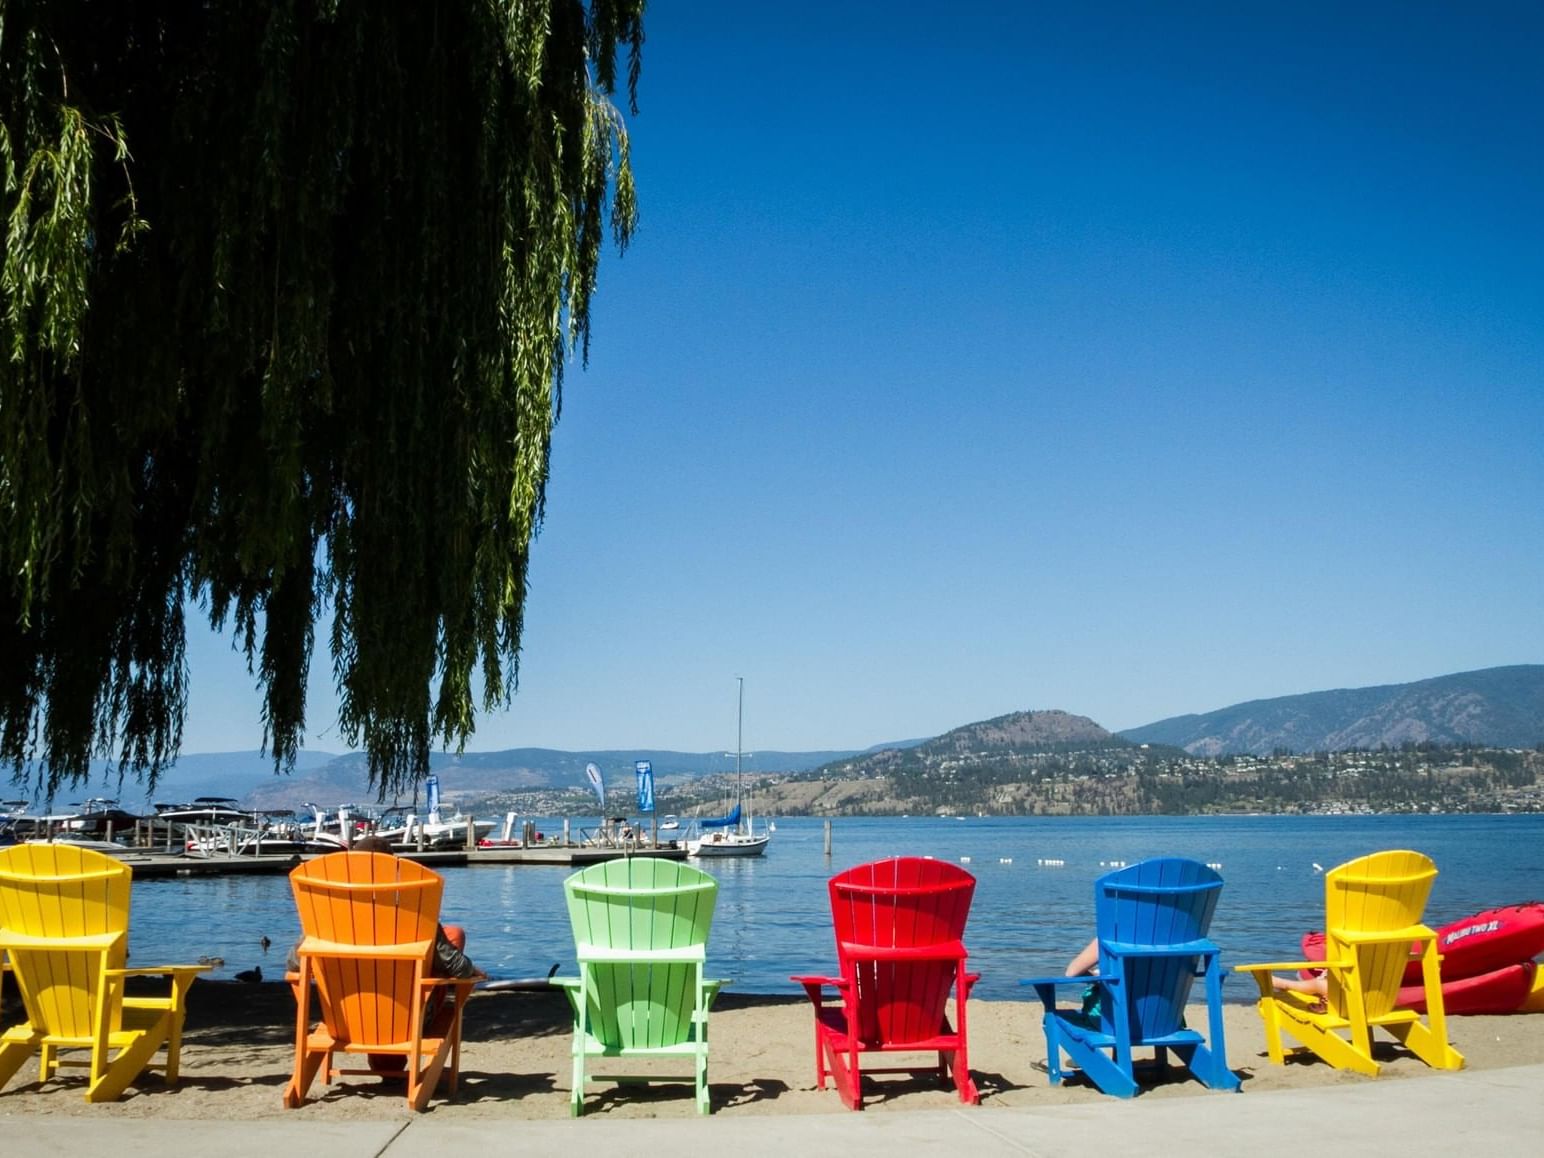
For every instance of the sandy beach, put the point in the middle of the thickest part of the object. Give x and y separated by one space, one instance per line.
515 1064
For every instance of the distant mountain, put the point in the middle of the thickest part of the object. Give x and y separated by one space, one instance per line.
998 741
1499 706
471 774
1019 731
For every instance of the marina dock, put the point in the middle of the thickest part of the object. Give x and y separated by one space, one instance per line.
148 865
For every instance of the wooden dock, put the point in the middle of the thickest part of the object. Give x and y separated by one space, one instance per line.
149 864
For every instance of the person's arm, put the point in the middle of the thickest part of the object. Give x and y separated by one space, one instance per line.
452 962
1087 961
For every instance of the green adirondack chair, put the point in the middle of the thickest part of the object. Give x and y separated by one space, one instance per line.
641 935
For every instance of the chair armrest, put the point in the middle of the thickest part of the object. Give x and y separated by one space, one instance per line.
815 986
1410 933
1292 966
1262 972
1045 987
1084 979
819 980
160 971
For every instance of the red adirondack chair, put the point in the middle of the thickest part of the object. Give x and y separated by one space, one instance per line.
899 928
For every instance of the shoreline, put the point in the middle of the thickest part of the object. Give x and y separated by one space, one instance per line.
239 1046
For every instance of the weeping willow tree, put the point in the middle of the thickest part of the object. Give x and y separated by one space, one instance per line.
287 289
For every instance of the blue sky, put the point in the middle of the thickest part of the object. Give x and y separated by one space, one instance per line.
1127 358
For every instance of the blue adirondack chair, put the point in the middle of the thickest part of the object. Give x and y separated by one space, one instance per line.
1151 921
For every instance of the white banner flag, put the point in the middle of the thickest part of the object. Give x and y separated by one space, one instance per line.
596 783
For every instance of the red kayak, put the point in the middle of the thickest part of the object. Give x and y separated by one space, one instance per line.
1502 990
1473 946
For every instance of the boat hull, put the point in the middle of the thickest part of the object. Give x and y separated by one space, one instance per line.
730 845
1504 990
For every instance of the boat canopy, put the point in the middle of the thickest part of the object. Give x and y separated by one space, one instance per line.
723 821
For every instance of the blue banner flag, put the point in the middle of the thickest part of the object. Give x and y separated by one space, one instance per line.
432 793
645 772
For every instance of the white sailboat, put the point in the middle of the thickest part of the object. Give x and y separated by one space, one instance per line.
734 834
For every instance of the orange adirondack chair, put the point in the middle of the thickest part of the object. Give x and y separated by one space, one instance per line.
369 922
899 927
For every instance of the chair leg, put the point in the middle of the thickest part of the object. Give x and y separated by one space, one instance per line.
963 1082
847 1073
1208 1066
1053 1048
12 1055
123 1069
1426 1045
1270 1013
306 1067
422 1083
704 1105
576 1098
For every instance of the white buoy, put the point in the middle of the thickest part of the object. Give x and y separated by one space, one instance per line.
964 860
1317 867
1005 860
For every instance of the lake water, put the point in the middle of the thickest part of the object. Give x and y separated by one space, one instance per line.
1027 919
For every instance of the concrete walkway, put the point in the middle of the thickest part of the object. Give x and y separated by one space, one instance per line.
1489 1114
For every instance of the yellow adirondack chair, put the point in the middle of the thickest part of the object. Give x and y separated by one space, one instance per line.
64 924
1372 915
369 922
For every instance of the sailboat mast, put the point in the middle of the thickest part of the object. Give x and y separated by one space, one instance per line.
739 751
